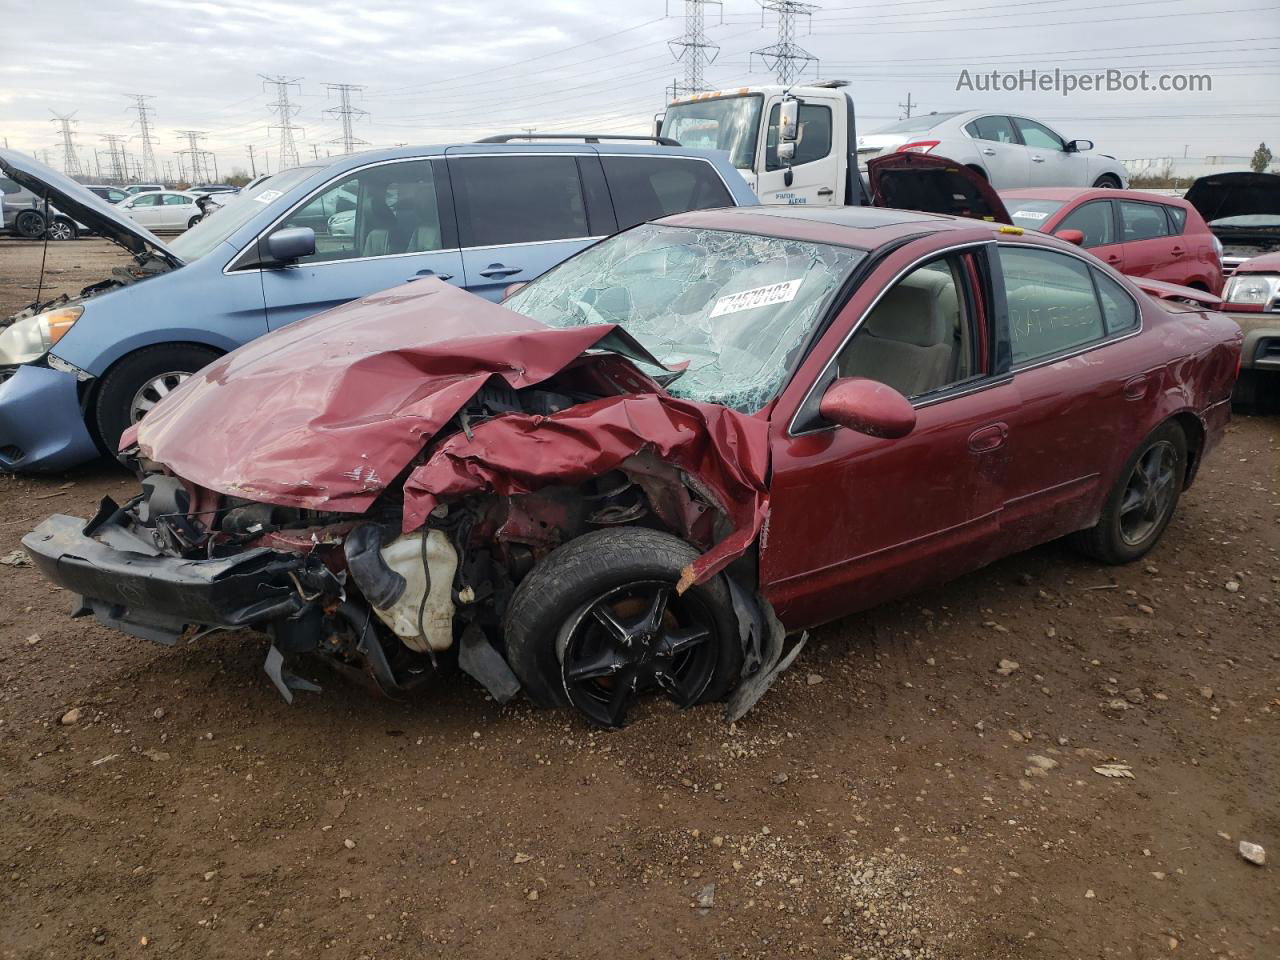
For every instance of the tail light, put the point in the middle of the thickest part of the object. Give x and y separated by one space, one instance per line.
918 146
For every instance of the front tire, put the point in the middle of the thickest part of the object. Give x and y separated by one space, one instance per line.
138 382
1107 182
62 230
598 622
1143 501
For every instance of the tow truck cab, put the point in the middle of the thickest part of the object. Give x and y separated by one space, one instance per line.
750 123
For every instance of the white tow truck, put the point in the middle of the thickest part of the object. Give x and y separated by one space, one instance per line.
793 145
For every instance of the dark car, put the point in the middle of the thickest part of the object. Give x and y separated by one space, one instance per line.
647 466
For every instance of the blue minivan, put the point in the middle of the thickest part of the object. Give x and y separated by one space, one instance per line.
76 372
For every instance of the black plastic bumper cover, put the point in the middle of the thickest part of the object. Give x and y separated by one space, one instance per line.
157 597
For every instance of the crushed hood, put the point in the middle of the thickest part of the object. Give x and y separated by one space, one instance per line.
326 412
81 204
1224 195
921 181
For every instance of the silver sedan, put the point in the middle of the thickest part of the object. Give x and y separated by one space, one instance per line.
1009 150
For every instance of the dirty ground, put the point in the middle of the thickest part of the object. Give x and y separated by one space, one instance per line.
901 792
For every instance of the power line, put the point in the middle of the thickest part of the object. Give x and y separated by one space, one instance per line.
907 107
348 113
786 58
70 159
285 112
147 169
695 50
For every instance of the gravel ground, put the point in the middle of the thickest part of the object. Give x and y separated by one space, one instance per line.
899 794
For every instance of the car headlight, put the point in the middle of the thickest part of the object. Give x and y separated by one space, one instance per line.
32 338
1252 289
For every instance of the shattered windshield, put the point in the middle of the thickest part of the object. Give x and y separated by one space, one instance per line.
736 307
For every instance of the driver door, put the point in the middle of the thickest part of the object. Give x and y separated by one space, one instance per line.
815 171
855 519
1049 163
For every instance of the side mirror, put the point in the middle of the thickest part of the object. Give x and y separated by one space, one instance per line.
788 123
1079 146
787 151
1071 236
869 407
292 243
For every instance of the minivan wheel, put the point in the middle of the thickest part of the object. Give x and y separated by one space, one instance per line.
598 623
1107 182
30 224
62 230
1143 500
140 381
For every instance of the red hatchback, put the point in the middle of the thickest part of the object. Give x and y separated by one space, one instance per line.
1140 234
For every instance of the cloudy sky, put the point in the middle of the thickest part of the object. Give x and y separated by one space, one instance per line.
434 71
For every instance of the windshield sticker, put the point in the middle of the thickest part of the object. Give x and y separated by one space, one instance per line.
757 297
266 196
1029 214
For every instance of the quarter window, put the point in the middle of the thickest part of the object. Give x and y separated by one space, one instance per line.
1119 310
1053 306
918 338
995 129
1142 221
517 199
814 140
1038 135
1094 220
1177 219
647 188
381 211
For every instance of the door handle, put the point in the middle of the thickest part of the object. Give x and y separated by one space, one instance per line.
1036 159
1113 258
423 274
987 151
989 438
825 192
1177 251
1136 388
498 270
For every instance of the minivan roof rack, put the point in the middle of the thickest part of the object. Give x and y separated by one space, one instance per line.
588 137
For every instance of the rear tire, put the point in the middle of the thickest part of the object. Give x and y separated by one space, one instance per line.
1143 501
139 380
30 224
194 220
1107 181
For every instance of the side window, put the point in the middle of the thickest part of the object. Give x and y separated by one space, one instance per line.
1142 221
1038 135
8 187
996 129
517 199
147 200
814 141
1119 310
1094 220
1177 220
115 196
174 199
646 188
381 211
1053 306
919 337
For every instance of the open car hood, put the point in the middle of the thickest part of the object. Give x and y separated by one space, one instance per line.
1235 195
81 204
920 181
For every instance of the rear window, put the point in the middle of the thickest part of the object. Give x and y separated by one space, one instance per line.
648 188
917 124
1031 214
517 199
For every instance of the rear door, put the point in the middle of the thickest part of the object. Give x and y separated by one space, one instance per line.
520 214
1149 250
400 228
176 210
815 170
647 186
1003 156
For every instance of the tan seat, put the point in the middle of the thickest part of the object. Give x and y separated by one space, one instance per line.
377 243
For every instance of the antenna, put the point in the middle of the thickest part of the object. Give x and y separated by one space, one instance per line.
693 49
785 58
70 159
285 112
347 112
147 169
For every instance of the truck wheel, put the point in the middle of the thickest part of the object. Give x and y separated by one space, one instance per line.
598 623
30 224
1143 500
140 381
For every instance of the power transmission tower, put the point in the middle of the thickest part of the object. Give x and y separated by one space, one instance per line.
118 160
693 49
70 159
348 113
907 108
253 167
786 58
196 154
147 169
285 112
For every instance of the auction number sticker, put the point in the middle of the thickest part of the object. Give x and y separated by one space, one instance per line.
1030 214
266 196
757 297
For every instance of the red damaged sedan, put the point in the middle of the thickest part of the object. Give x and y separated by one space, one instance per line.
647 467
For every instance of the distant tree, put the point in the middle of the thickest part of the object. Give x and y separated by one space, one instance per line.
238 178
1261 159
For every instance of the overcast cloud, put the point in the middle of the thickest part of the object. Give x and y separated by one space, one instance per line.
437 71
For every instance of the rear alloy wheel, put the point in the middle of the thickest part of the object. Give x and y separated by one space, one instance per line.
141 380
194 220
597 624
1142 502
30 224
62 230
1107 182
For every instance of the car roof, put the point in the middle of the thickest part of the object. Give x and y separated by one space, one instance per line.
1091 193
864 228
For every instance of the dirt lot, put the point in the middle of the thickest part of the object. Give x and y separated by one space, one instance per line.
895 796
